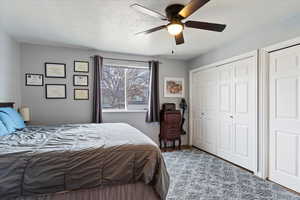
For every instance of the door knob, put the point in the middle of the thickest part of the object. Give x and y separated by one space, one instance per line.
231 116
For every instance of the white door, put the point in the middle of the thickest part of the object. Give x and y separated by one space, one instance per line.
204 113
209 110
245 112
285 118
196 111
224 111
237 111
226 96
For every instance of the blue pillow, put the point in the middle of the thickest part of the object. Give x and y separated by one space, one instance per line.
3 129
15 117
7 121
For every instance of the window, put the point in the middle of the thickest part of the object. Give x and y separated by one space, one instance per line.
125 88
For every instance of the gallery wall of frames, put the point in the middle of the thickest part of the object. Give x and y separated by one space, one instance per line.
58 71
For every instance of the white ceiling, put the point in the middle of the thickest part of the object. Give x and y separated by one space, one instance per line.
110 25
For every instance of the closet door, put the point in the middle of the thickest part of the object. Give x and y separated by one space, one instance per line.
284 117
245 110
224 119
237 111
196 111
226 104
209 110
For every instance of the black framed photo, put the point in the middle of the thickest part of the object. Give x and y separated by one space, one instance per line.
55 70
56 91
80 80
34 79
81 94
81 66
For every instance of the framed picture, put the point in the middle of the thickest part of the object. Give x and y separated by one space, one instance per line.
81 66
34 79
174 87
81 94
55 70
56 91
80 80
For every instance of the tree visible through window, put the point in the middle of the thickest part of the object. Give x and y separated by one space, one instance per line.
125 88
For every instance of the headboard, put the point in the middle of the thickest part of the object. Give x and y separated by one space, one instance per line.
7 104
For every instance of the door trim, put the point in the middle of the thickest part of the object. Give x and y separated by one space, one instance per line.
263 117
217 64
226 61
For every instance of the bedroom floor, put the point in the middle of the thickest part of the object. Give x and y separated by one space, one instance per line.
196 175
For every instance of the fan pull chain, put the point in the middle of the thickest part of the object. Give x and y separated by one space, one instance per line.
173 47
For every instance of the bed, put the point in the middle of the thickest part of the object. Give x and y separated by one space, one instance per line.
109 161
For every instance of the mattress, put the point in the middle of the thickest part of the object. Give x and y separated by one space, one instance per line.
51 159
134 191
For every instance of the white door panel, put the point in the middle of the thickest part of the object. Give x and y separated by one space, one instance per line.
210 130
196 111
237 112
241 100
225 138
245 112
286 97
209 109
241 143
225 91
284 117
197 132
286 164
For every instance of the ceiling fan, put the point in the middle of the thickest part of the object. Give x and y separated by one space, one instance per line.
175 13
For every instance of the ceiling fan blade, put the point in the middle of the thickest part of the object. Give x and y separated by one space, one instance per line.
148 11
205 26
179 39
191 7
151 30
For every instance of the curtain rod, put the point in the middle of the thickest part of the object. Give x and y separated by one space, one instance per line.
121 59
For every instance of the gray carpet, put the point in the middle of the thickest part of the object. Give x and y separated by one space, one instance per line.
196 175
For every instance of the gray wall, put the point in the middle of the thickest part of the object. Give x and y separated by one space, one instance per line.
70 111
287 28
9 70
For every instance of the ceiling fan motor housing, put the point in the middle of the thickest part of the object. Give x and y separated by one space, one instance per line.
172 12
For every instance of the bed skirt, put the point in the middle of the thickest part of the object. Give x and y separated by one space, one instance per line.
137 191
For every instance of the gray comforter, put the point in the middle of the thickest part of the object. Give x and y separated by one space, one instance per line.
39 160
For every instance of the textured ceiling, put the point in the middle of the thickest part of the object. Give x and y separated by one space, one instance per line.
110 25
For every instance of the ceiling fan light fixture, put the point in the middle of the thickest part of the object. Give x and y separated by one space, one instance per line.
175 13
175 28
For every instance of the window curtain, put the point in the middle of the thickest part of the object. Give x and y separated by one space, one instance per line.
97 107
153 105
